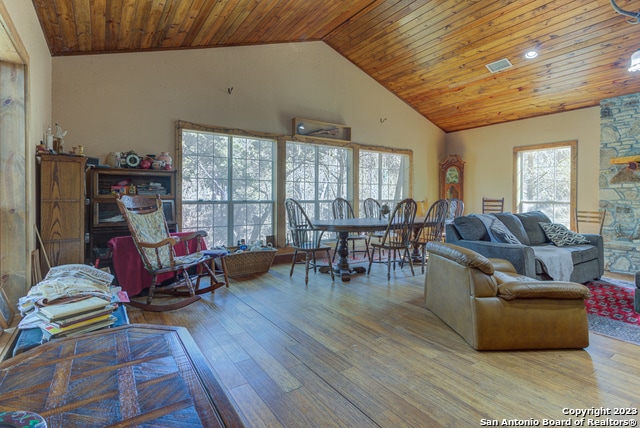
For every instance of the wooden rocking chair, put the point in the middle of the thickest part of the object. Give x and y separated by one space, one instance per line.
150 233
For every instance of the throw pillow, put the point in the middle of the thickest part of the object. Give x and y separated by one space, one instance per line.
514 225
502 234
561 236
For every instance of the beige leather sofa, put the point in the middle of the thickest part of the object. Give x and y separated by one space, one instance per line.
493 308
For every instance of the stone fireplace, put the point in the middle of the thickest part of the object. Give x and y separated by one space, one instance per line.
620 182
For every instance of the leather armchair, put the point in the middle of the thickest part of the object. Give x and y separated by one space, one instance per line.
493 308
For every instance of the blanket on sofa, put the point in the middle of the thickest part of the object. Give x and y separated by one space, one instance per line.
557 262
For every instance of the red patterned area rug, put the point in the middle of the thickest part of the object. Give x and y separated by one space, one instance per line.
610 310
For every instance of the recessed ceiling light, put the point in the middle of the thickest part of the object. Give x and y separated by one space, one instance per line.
531 54
635 61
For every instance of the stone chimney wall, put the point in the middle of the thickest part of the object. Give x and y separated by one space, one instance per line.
620 182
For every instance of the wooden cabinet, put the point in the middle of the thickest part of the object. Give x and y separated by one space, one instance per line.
61 208
105 220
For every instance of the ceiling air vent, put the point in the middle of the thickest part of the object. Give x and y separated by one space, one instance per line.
499 65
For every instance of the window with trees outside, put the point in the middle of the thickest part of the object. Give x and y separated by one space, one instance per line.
316 175
384 176
227 186
546 179
228 181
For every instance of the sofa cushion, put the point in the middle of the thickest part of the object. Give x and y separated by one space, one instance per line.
533 289
582 253
579 254
471 228
514 225
502 234
504 277
561 236
530 222
462 256
496 230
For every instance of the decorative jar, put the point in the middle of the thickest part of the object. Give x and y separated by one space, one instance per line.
145 163
113 159
166 158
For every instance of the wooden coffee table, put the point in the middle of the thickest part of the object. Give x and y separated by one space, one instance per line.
131 375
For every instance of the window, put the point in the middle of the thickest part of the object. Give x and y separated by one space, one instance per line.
546 179
227 186
383 176
316 175
228 181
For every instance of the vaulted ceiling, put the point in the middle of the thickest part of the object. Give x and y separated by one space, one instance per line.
430 53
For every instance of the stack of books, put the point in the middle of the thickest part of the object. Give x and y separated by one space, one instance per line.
77 317
152 189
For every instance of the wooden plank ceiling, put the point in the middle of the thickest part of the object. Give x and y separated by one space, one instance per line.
430 53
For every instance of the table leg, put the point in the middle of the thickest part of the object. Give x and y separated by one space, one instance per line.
342 267
415 254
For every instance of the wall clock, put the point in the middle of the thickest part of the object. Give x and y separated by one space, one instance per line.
452 178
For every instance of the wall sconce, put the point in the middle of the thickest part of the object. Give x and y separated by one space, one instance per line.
635 61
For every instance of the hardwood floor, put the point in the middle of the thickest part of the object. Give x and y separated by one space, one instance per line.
367 353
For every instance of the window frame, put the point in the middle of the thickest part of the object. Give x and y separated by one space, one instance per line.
408 167
349 175
178 163
517 174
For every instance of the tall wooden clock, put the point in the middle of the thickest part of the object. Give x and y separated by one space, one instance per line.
452 178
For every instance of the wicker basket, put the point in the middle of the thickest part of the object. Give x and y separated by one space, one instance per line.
249 262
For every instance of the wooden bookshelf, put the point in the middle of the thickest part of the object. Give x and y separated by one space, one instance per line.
104 218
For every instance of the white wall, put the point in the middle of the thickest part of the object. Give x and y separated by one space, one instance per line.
488 153
122 102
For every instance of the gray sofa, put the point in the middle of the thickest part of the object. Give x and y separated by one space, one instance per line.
470 232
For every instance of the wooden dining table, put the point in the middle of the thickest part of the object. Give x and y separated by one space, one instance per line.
343 227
